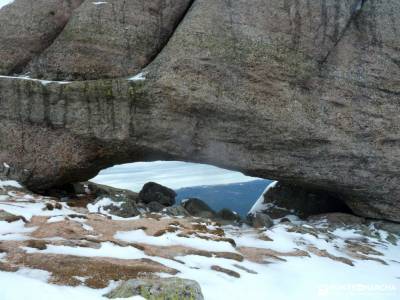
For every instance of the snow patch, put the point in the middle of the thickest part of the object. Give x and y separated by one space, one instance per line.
56 219
22 285
14 231
2 255
34 274
171 239
27 210
107 249
138 77
5 2
9 183
43 82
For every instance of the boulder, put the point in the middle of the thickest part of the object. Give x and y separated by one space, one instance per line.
155 206
154 192
119 202
158 288
303 92
198 208
101 190
228 216
176 211
124 210
259 220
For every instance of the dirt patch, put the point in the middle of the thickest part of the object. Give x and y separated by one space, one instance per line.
37 244
97 271
324 253
245 269
64 229
191 233
171 252
226 271
261 255
6 267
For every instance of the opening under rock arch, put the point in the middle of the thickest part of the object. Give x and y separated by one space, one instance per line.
219 188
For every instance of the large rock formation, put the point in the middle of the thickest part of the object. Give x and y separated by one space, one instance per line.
305 92
28 27
110 39
280 200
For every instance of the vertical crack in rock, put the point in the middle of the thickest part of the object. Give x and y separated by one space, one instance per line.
356 11
178 23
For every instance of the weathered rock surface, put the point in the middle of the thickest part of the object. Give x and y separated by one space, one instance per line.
281 200
198 208
122 209
110 39
338 219
390 227
104 190
154 192
305 92
260 220
228 216
28 27
176 210
155 206
166 288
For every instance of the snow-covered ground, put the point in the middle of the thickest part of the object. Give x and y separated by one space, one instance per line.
10 183
173 174
296 260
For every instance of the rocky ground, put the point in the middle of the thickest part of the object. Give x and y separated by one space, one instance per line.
303 92
59 248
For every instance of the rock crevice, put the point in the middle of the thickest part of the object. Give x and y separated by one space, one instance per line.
356 11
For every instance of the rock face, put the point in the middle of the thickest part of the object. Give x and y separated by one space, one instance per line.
166 288
338 219
28 28
110 39
304 92
281 200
